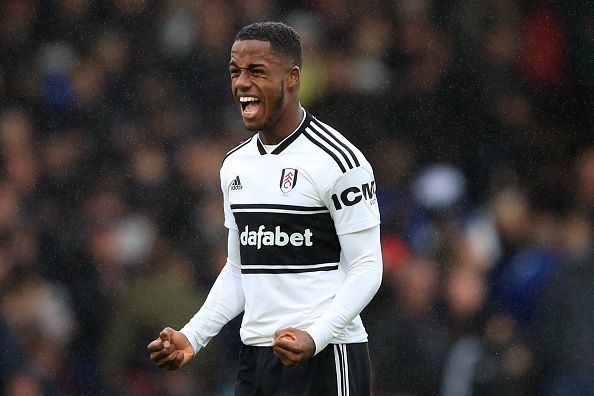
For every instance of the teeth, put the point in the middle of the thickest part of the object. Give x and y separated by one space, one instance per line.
244 99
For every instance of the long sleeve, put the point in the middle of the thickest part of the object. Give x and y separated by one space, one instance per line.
362 252
225 300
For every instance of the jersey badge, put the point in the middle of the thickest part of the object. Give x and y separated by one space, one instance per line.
288 180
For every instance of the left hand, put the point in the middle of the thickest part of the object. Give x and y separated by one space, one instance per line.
292 346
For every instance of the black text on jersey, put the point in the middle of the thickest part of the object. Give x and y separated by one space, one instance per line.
353 195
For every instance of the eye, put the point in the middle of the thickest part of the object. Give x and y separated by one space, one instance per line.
234 72
258 72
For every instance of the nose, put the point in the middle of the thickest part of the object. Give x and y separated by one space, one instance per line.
243 80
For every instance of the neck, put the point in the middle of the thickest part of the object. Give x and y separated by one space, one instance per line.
284 126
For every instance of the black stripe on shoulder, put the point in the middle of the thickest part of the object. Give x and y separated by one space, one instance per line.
326 149
332 144
287 270
240 145
343 144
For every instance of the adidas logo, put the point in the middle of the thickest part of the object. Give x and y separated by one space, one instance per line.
236 184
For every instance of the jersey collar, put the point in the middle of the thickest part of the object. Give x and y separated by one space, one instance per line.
289 139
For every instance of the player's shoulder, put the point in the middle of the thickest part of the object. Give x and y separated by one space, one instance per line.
240 148
337 150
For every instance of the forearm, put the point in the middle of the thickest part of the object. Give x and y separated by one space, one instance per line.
362 251
225 301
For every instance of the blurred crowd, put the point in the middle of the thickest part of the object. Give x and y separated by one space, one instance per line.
477 116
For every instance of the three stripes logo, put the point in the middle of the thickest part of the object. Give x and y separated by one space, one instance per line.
288 179
236 184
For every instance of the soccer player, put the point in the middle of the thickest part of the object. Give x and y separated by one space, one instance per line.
304 254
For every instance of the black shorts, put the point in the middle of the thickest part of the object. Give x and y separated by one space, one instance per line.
340 369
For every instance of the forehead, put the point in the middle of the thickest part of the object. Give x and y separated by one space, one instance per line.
246 52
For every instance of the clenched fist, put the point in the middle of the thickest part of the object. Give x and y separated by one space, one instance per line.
171 349
292 346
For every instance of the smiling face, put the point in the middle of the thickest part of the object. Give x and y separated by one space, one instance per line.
264 86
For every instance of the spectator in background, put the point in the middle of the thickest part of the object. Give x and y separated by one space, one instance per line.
168 292
411 340
563 338
565 313
40 319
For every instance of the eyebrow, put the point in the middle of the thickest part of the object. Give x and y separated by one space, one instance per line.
250 66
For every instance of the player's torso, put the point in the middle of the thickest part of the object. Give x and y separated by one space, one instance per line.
290 252
283 223
286 208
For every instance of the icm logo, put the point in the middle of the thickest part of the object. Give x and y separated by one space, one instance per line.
262 237
353 195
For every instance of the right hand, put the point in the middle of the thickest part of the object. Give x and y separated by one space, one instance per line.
171 349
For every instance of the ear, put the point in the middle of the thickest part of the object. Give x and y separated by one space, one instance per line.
293 77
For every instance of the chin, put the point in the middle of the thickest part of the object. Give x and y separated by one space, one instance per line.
257 125
252 127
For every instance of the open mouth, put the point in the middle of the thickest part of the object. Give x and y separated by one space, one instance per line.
249 105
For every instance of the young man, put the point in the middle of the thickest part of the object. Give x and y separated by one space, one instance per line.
304 253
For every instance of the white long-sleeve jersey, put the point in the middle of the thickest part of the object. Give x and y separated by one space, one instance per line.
304 242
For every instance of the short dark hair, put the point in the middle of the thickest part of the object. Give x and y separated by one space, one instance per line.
283 39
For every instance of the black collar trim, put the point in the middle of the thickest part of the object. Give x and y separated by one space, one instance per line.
290 139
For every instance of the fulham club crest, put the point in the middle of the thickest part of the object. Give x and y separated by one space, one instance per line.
288 179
